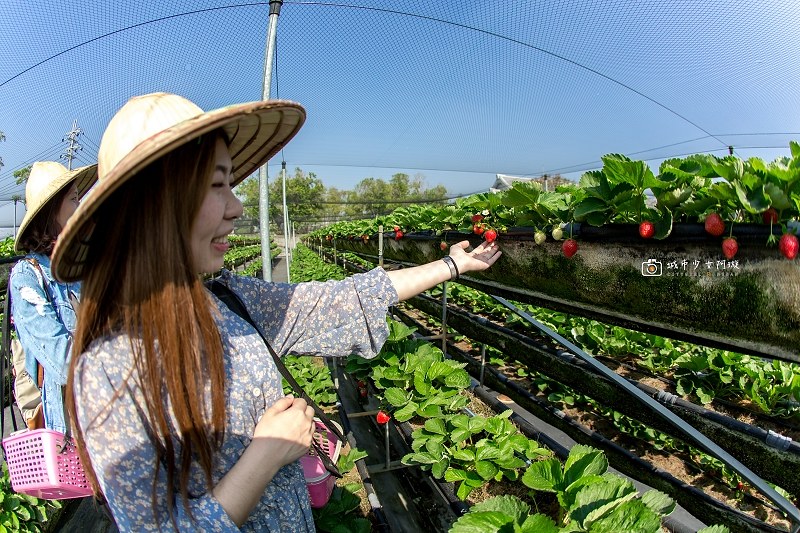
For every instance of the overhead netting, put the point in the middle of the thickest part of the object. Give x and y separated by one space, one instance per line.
456 90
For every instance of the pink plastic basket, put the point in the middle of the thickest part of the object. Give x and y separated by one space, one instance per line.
37 468
318 480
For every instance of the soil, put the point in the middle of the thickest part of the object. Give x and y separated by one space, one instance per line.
674 462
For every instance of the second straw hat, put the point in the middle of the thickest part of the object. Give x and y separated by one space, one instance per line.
46 180
150 126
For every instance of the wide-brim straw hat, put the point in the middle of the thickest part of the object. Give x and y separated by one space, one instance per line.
45 181
149 127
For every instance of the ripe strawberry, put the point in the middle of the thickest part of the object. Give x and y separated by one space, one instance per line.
715 225
443 246
557 233
398 235
730 247
362 392
478 229
539 237
477 218
397 228
788 245
739 486
647 229
382 417
570 247
770 216
362 384
490 235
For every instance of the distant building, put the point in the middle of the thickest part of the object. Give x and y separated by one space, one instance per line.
548 183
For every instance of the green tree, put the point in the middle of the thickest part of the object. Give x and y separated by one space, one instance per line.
22 174
373 196
304 194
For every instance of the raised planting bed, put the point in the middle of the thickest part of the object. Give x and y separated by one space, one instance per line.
680 287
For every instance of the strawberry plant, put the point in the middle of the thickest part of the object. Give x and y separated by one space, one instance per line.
315 377
471 451
592 499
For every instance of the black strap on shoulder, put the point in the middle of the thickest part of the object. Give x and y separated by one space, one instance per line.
235 304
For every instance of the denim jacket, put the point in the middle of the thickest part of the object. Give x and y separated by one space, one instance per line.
44 325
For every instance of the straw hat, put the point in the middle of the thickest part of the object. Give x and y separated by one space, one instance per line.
46 180
150 126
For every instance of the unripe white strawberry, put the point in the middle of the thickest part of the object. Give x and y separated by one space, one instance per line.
557 233
539 237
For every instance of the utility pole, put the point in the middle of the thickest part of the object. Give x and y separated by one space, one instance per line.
16 199
263 177
74 147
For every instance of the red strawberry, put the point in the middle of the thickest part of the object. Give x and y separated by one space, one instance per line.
478 229
647 229
382 417
443 246
396 228
362 384
362 393
788 245
730 247
570 247
490 235
739 486
770 216
398 235
477 218
715 225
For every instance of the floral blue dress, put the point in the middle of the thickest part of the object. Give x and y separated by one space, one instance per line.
332 318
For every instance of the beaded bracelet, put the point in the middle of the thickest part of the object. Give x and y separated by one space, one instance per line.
452 266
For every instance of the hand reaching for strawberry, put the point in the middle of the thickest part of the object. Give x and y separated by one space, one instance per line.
480 258
409 282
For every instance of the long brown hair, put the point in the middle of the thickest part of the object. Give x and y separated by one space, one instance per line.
142 282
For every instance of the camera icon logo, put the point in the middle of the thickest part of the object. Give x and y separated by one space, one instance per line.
651 267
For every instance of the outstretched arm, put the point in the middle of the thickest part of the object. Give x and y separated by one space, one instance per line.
409 282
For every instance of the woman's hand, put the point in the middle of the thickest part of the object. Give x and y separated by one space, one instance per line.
481 258
282 436
409 282
288 425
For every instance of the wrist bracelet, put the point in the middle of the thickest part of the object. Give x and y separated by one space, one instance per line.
452 266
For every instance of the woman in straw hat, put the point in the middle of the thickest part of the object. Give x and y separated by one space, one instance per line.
179 411
43 313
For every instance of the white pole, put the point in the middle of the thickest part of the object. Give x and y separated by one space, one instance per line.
287 252
263 177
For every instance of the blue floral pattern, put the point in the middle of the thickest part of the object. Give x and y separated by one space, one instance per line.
334 318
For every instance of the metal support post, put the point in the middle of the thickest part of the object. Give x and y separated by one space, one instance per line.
444 318
483 363
380 246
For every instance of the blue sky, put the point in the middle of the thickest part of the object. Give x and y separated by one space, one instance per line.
456 91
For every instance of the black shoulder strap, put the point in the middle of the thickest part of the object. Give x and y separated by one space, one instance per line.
235 304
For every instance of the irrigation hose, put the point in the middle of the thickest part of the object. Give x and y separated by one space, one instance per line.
701 440
560 450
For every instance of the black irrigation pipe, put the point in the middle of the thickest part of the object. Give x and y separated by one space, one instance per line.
690 497
701 440
727 404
